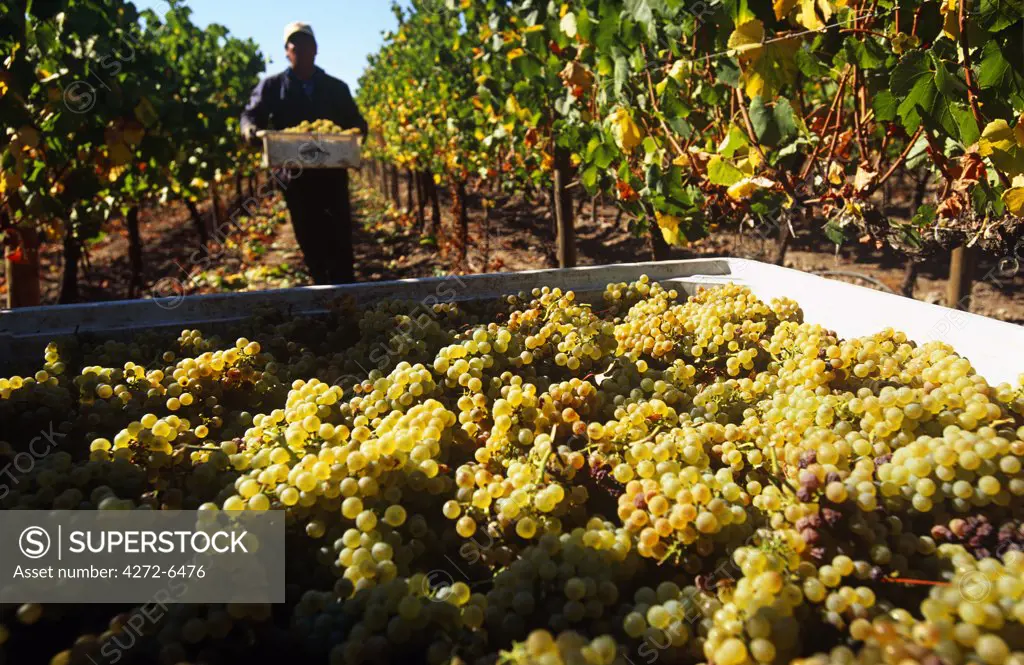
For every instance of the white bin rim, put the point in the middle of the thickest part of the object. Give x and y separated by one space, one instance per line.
995 348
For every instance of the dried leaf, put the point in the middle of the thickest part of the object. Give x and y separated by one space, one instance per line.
864 179
746 187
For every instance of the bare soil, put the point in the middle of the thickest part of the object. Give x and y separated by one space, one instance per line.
518 234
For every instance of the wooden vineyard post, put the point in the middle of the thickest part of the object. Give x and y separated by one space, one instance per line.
134 252
395 198
69 276
566 231
421 199
238 187
660 249
909 278
913 266
214 205
199 223
961 278
410 191
487 234
382 173
783 244
21 265
462 215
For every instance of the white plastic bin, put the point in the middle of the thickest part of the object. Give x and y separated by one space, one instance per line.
995 348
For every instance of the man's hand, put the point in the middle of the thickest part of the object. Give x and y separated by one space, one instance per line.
249 134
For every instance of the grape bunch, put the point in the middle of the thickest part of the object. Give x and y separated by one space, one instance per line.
542 478
321 126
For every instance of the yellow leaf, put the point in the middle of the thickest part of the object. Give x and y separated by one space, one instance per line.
627 134
1004 146
682 160
783 8
775 68
746 187
677 71
9 181
669 225
747 40
516 53
1018 131
835 174
533 28
1014 200
808 16
116 172
950 19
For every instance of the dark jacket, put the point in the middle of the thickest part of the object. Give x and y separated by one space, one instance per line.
279 102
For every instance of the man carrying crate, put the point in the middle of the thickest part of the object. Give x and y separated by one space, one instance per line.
317 199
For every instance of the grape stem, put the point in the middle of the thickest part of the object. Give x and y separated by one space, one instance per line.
910 580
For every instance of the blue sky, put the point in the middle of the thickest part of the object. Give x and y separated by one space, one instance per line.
346 30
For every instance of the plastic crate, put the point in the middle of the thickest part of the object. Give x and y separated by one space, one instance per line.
293 150
995 348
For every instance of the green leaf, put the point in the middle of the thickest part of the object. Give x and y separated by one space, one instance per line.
1002 74
621 74
884 105
834 232
721 172
925 215
607 31
866 54
913 85
923 87
809 65
949 85
772 125
997 15
969 132
728 72
584 25
734 141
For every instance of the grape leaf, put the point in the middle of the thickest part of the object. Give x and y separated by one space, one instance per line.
721 172
884 105
923 87
1004 75
866 54
1000 143
772 125
997 15
834 232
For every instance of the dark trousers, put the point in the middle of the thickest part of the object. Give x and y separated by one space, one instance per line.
321 215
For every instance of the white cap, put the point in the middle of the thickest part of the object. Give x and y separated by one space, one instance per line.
296 27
